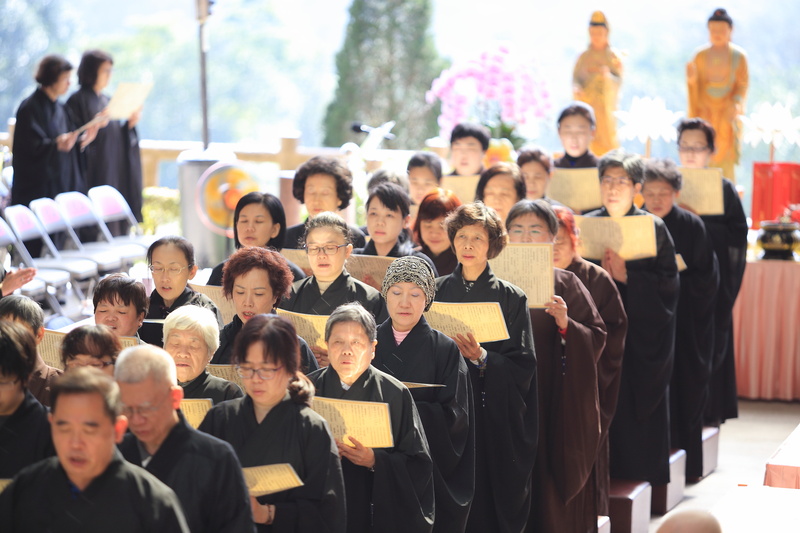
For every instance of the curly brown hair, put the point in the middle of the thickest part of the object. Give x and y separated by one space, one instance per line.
324 165
477 213
246 259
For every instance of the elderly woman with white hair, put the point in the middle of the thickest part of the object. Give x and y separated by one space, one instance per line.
191 336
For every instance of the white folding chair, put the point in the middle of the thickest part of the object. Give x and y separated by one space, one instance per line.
111 206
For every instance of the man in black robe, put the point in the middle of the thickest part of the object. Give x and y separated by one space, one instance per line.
24 429
113 158
88 486
649 288
694 341
576 127
427 356
202 470
393 490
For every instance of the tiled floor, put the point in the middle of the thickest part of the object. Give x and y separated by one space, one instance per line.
745 445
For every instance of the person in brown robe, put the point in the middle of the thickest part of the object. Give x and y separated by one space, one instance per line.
569 336
609 368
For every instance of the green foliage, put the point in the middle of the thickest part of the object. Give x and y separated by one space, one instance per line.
29 30
386 65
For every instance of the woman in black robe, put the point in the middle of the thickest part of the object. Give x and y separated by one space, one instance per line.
728 235
606 298
639 437
256 279
113 158
191 336
274 424
46 151
388 489
503 375
694 340
258 220
569 336
409 350
429 231
328 244
323 184
388 216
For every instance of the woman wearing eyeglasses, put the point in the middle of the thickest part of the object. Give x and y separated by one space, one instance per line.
256 279
639 436
328 245
273 424
94 346
171 261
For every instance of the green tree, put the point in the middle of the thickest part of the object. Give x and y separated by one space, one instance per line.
29 30
385 66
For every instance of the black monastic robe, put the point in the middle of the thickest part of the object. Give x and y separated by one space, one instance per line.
205 475
639 438
569 412
123 499
506 407
447 413
587 160
153 333
728 234
290 433
113 157
227 336
24 437
694 340
208 386
306 298
294 236
40 169
609 368
445 262
396 495
400 249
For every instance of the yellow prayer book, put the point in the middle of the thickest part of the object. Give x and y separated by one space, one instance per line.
631 237
226 372
577 188
311 328
371 269
462 186
4 483
701 190
529 267
225 305
367 422
483 319
50 347
269 479
299 258
195 409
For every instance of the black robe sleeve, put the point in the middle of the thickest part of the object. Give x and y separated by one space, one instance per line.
447 413
397 495
292 434
24 437
506 404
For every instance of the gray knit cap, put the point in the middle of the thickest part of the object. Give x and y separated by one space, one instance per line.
410 269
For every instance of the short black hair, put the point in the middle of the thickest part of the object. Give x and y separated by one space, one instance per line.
580 109
17 351
330 166
698 124
90 65
123 288
428 160
508 169
632 164
468 129
181 243
663 170
392 196
50 69
22 308
540 208
273 206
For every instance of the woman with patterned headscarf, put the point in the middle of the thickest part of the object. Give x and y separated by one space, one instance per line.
411 351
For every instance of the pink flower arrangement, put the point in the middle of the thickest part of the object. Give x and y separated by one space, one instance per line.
497 89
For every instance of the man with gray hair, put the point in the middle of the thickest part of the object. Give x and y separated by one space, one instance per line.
202 470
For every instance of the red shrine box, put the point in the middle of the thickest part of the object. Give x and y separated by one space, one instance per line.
775 186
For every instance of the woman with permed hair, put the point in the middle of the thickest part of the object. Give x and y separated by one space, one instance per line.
113 158
502 373
323 184
256 279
